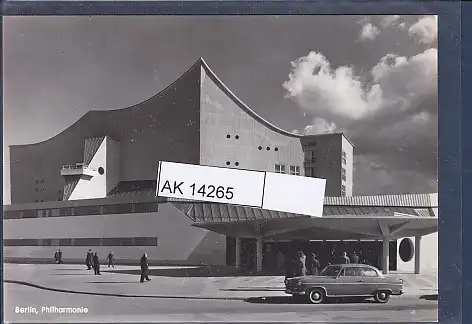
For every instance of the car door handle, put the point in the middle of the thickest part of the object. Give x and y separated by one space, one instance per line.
360 280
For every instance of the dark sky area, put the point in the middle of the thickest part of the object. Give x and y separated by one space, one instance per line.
372 77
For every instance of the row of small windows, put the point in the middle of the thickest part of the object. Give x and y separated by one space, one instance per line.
82 211
106 241
229 136
343 190
343 174
294 169
229 163
343 158
267 148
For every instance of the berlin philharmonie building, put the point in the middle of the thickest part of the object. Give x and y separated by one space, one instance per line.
94 186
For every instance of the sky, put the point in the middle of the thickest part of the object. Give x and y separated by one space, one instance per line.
372 77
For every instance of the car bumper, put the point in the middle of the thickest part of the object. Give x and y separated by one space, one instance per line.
294 291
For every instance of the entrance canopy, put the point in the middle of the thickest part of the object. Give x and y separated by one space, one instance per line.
344 218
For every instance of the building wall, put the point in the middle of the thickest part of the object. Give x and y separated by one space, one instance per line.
348 148
178 241
222 116
327 166
165 127
96 186
113 164
428 255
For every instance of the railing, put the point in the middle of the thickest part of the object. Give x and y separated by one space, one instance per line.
76 166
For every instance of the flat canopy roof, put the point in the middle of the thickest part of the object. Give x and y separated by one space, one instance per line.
344 218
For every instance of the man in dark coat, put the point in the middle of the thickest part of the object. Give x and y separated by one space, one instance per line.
110 258
144 268
315 266
354 257
96 264
88 259
300 269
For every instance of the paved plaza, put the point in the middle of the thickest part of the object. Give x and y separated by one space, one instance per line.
190 294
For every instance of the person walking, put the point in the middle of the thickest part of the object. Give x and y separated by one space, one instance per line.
88 259
110 258
144 268
96 264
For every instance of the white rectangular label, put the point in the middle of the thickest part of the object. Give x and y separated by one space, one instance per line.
294 194
213 184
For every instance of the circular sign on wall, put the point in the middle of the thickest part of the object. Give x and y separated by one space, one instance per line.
406 250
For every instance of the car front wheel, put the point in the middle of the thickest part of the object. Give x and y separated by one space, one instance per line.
316 296
382 296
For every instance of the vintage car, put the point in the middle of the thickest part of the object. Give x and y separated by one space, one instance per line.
345 280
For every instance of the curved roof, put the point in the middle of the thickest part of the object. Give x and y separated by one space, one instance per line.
242 105
200 62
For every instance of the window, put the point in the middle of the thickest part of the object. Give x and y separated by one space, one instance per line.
367 272
294 170
236 163
279 168
268 148
310 157
228 163
343 174
310 172
276 149
236 137
228 136
352 272
343 157
259 148
343 190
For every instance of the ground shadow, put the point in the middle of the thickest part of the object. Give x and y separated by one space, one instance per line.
112 282
195 271
429 297
291 300
72 274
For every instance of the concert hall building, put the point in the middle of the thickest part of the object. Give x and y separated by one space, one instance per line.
93 186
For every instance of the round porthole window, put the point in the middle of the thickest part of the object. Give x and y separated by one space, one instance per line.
406 250
276 149
237 163
260 148
268 148
228 163
236 137
228 136
101 170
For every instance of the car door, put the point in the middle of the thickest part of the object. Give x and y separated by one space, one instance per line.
371 279
351 282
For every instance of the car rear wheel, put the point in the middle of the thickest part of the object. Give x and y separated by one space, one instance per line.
382 296
316 296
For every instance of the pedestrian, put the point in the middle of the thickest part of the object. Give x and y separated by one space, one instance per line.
96 264
56 256
144 268
344 259
110 258
88 259
314 265
59 256
354 257
300 265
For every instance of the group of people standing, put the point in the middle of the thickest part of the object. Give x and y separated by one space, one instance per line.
302 265
92 261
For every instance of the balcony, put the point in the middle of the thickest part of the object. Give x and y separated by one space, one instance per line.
78 169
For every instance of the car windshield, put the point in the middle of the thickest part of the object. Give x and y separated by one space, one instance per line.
331 271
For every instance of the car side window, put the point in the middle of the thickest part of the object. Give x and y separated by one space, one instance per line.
366 272
352 272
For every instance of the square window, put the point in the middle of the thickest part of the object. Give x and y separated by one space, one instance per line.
279 168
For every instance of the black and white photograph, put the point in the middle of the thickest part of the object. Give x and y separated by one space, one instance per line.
220 168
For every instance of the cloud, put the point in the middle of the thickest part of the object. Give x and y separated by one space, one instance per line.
389 20
425 29
369 32
319 126
390 115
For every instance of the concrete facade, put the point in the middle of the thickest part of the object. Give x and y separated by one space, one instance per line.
330 156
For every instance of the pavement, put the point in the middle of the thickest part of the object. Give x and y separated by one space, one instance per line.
172 282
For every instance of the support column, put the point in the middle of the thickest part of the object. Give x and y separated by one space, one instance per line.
238 252
417 254
259 244
385 255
